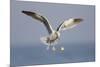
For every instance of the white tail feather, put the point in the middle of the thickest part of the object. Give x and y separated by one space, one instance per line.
44 40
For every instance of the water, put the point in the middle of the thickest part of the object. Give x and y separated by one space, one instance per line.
37 54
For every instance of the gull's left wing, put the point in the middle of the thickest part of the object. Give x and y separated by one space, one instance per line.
40 18
68 24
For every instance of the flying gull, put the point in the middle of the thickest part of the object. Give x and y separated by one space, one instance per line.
54 35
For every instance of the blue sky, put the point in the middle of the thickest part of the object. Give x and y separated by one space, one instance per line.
24 29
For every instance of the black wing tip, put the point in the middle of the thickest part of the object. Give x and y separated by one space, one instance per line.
25 11
78 19
28 12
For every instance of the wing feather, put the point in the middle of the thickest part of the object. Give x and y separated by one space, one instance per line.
68 24
39 18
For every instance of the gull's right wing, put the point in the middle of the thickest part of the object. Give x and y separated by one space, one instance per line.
41 19
68 24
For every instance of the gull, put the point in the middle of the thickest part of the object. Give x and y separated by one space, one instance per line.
54 35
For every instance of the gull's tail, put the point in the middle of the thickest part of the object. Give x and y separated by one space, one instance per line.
49 43
45 40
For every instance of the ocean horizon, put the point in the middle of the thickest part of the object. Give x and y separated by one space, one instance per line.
26 55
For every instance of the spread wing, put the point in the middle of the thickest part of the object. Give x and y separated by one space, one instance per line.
68 24
41 19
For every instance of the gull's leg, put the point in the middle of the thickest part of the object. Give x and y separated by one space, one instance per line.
48 47
53 48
